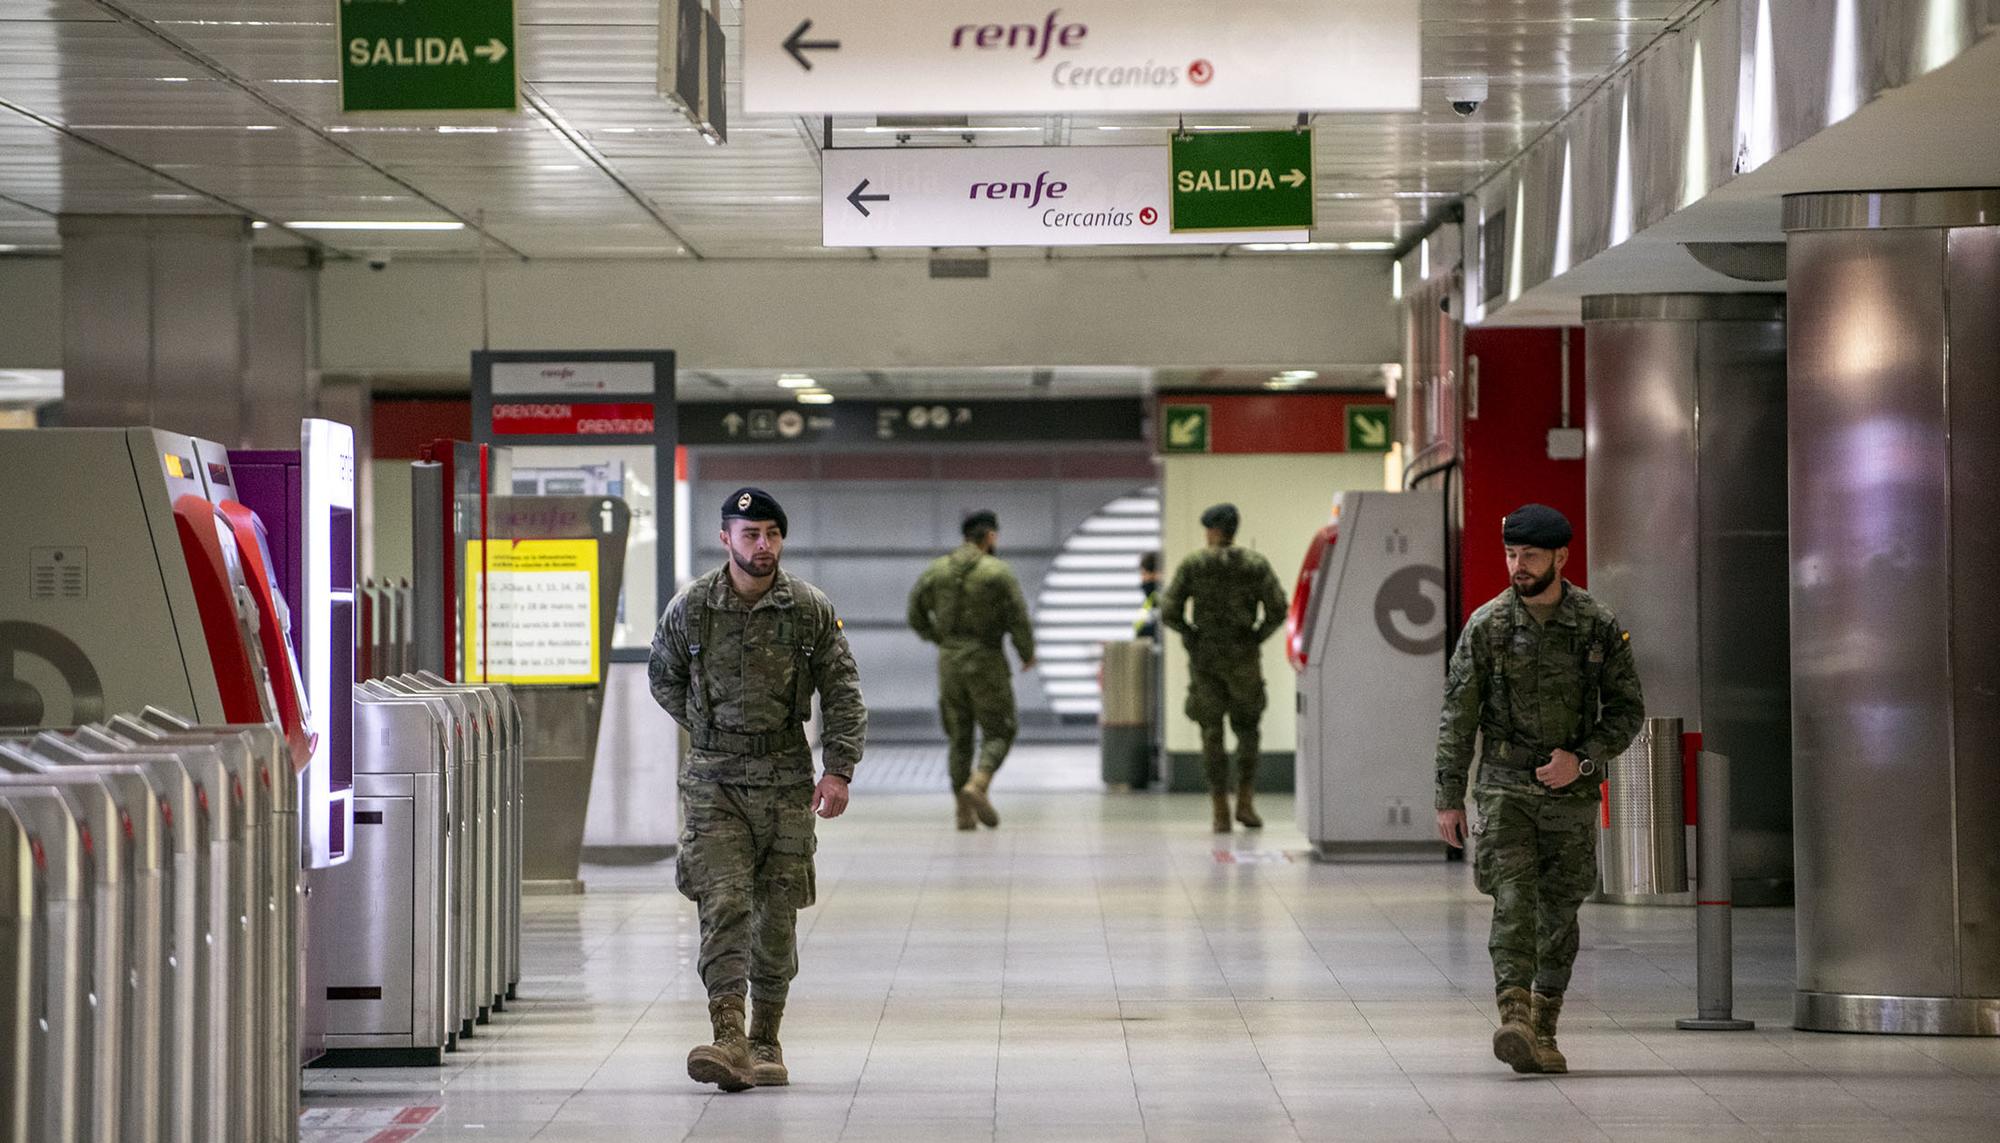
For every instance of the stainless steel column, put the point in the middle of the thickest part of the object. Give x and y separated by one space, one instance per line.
156 322
1686 485
1895 484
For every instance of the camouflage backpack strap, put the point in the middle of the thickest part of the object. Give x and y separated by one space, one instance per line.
697 618
808 622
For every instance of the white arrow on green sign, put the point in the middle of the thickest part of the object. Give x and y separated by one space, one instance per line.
1242 180
1186 429
1368 428
428 55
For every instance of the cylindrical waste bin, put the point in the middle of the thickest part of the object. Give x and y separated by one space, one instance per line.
1642 845
1126 684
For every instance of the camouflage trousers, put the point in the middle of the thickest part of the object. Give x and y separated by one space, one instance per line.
1227 687
1536 856
746 861
976 692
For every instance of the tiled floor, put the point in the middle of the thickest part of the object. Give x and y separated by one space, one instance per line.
1092 971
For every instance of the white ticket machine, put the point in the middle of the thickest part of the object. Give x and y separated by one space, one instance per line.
1366 634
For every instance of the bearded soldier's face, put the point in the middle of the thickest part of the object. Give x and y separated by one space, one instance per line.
754 546
1534 570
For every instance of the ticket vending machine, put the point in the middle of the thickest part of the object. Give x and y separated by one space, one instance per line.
1366 633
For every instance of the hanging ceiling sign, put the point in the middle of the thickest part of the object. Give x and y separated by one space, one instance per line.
1007 196
1040 56
427 55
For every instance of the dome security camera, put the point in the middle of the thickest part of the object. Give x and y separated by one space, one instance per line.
1465 93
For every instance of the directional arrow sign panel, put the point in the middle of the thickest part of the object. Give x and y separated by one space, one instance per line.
1369 428
1006 196
427 55
1037 56
1239 179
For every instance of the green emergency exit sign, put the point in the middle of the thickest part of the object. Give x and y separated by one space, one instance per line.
1369 428
427 55
1242 180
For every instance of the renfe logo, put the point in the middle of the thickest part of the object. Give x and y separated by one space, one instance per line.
1034 192
986 37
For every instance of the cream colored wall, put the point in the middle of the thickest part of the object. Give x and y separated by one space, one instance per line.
1284 498
391 480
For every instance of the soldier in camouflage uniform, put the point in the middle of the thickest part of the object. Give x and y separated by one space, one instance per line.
966 603
738 656
1230 587
1544 676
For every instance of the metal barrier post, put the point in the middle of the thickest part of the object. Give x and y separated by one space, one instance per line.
1714 949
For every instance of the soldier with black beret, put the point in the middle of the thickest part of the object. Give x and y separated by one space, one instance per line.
1237 604
1543 676
739 654
968 602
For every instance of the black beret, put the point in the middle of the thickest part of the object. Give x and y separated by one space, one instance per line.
984 518
754 504
1536 525
1222 517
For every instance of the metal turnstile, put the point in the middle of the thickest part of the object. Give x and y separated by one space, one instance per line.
60 948
133 1021
276 898
456 917
101 808
20 926
393 1001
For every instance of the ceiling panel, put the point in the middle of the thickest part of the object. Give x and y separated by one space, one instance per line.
239 99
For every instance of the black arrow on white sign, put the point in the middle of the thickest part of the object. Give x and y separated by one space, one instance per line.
855 198
798 45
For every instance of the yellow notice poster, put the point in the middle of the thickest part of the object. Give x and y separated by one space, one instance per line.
543 622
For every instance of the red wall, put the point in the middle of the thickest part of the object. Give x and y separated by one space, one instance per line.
404 425
1276 422
1506 447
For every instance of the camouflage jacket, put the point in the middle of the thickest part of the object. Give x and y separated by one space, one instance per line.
743 687
971 597
1527 689
1229 586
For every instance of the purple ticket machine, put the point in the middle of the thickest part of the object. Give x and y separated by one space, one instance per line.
305 499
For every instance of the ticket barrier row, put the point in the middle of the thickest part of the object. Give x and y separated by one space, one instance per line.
424 920
150 933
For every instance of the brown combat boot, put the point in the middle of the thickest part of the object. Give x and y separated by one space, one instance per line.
974 794
965 819
1220 800
726 1062
1544 1011
767 1059
1246 811
1514 1040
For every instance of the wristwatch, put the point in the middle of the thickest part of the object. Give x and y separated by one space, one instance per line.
1585 767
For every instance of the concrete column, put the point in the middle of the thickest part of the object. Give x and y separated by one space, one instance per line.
156 322
281 383
1894 344
1686 503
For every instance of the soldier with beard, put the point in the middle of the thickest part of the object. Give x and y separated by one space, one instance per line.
1543 675
738 656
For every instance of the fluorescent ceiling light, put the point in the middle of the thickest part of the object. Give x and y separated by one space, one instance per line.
815 397
797 381
260 226
1296 376
1294 247
385 225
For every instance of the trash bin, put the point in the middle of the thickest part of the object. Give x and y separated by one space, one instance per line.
1126 683
1642 842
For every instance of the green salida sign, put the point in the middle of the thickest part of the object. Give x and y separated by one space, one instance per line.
1242 180
427 55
